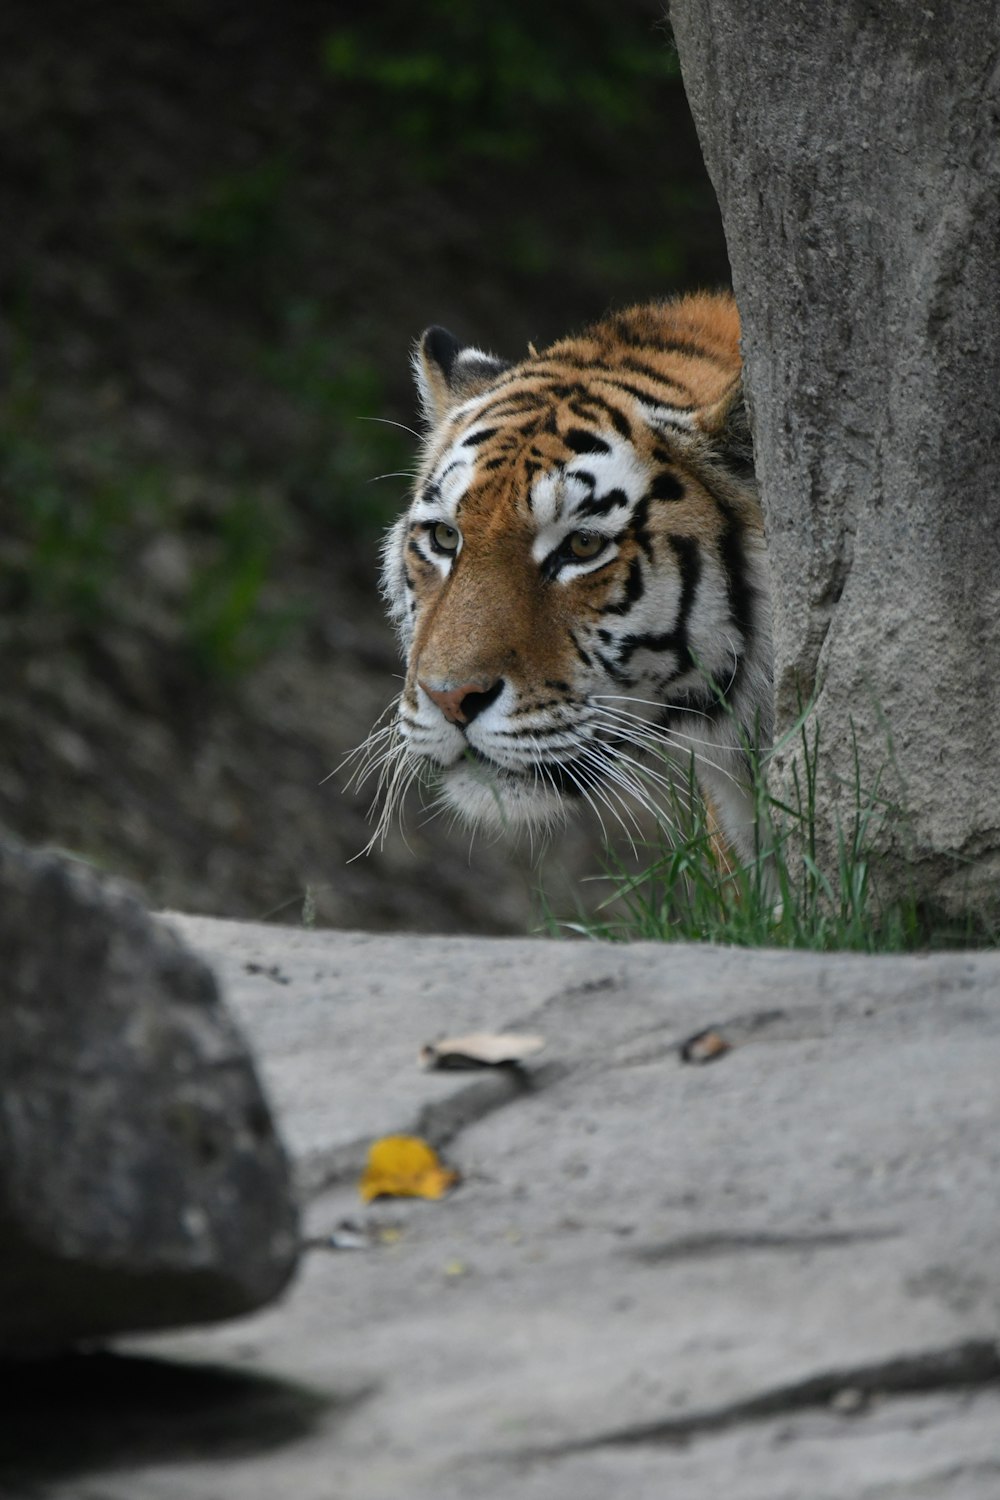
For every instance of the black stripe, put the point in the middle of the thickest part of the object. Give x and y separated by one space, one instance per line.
733 558
640 339
688 557
579 650
620 420
511 431
582 441
634 590
551 732
586 408
692 350
476 438
614 671
650 372
599 505
666 640
640 527
626 331
561 390
641 395
515 401
666 486
732 555
508 403
594 398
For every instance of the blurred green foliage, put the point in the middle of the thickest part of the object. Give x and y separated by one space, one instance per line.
341 391
236 213
229 626
77 525
466 82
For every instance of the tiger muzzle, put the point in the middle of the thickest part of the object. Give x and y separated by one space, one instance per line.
460 705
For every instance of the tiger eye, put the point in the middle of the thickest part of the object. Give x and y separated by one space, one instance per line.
444 537
585 544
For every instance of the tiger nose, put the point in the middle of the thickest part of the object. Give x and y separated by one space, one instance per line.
460 705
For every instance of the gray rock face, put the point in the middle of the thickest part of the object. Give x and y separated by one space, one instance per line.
856 159
770 1277
142 1184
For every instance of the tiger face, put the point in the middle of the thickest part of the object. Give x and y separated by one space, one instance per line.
579 580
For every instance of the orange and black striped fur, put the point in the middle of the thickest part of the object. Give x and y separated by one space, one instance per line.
579 582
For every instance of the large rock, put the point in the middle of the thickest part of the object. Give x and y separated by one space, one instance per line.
142 1184
856 159
774 1277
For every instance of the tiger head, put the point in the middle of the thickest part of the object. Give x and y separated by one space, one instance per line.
579 580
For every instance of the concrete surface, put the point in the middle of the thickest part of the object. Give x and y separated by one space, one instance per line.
771 1277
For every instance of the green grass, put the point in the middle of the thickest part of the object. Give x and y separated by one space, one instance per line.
789 895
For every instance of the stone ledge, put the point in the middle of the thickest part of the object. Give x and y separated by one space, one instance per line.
770 1277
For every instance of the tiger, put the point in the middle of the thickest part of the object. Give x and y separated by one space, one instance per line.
579 581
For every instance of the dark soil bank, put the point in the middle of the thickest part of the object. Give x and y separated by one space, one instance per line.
223 228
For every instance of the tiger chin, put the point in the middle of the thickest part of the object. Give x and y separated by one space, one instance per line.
579 582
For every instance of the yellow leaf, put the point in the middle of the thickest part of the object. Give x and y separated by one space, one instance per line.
404 1166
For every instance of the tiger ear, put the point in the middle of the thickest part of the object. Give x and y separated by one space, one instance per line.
448 372
727 424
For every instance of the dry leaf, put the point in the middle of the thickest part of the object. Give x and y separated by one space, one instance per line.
705 1046
482 1049
404 1166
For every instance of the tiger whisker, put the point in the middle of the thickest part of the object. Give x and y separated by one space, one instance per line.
397 776
582 788
375 756
388 422
546 772
609 763
616 783
378 731
674 708
675 740
598 757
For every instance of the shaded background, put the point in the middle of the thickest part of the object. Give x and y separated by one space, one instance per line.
223 228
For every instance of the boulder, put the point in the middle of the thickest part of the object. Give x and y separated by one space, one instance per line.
856 159
142 1183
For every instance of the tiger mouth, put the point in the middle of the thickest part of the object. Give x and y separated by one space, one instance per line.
557 776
